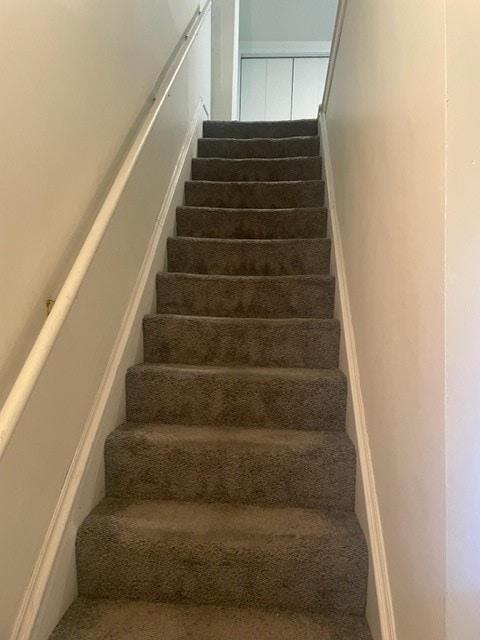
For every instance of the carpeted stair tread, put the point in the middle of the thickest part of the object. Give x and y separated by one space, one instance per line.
253 195
220 554
256 170
311 399
246 296
300 146
261 224
270 129
250 466
217 256
257 342
90 619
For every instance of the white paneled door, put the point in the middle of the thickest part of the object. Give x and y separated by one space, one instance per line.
281 88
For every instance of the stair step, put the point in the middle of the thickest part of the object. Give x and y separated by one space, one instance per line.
246 296
256 170
255 195
271 129
251 466
237 397
259 147
255 342
216 256
294 559
262 224
89 619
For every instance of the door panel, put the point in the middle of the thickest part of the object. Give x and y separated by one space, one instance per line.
253 89
309 77
278 103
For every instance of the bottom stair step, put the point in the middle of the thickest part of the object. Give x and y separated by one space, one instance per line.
119 620
291 559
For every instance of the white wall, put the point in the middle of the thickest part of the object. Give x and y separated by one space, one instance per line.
463 320
225 63
112 54
283 20
386 130
74 78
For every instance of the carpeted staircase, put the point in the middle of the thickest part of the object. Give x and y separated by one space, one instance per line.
230 491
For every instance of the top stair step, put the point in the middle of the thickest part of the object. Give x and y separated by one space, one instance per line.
275 129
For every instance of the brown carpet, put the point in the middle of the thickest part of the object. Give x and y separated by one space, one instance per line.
230 491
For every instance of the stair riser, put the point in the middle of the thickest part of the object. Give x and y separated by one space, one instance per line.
245 298
256 170
221 343
278 129
121 562
120 620
279 148
198 222
137 467
249 258
254 195
235 400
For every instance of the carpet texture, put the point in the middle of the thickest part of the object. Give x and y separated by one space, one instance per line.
290 147
254 195
248 224
254 342
265 467
230 492
127 620
246 297
215 256
256 170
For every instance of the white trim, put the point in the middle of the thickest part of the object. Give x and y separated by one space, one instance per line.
337 34
30 373
288 49
375 532
32 600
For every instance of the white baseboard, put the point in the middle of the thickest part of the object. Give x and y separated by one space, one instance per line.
53 583
359 428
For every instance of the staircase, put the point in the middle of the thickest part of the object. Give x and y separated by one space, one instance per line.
230 491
